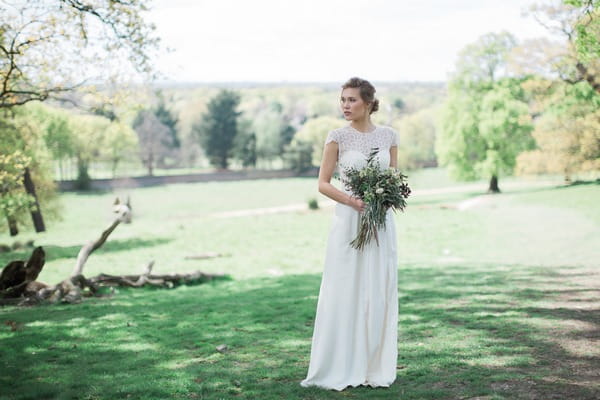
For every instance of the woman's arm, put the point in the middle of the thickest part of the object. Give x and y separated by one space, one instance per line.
330 158
394 157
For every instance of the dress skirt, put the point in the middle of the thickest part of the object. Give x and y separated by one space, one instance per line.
356 325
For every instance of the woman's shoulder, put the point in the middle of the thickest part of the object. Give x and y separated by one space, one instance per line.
337 134
390 133
342 130
386 128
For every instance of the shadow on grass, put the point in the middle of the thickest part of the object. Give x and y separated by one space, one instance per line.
464 332
591 182
60 252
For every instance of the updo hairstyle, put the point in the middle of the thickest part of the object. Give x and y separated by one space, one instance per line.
367 92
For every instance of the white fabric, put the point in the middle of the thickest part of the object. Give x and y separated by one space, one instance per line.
356 325
349 138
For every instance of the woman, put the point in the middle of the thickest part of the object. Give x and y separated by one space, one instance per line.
356 326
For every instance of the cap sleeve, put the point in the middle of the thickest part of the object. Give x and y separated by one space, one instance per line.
333 136
395 139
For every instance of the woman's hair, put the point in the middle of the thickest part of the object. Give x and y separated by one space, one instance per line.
367 91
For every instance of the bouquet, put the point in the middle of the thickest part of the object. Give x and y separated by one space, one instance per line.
380 189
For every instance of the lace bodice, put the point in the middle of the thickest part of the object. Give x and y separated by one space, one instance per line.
348 138
355 147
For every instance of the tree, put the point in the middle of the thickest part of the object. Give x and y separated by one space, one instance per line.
269 124
485 122
167 118
152 136
120 142
483 62
505 127
577 22
587 29
298 155
567 134
26 186
245 145
418 133
314 131
286 134
399 104
88 143
44 44
55 127
13 162
565 92
218 128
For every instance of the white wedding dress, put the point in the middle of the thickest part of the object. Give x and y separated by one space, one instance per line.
356 325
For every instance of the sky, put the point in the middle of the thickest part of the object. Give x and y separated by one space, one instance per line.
326 40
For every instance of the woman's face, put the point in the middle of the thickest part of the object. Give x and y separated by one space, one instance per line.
353 106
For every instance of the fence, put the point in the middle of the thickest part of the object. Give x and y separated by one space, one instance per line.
145 181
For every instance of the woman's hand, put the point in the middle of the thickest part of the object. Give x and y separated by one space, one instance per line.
357 204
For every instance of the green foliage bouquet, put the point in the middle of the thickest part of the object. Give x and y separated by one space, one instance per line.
380 189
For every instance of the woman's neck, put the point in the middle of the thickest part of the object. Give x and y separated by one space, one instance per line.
363 125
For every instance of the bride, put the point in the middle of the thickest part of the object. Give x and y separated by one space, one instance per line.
356 325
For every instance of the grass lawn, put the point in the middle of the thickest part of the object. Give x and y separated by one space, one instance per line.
499 297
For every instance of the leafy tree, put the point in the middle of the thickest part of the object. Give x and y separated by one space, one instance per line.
286 134
152 136
44 44
485 122
587 29
567 134
399 104
314 131
298 155
56 130
269 125
245 145
218 128
120 142
565 90
26 186
168 119
577 57
88 132
418 133
13 161
483 62
505 127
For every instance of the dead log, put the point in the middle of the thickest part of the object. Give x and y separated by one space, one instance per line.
18 274
169 280
74 289
13 274
123 215
18 285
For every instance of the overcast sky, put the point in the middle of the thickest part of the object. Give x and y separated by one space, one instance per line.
327 40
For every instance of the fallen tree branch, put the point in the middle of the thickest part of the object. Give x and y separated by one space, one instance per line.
204 256
18 285
168 281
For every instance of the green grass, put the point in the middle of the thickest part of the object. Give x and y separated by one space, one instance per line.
497 301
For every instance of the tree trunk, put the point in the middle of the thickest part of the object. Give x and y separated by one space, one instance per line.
36 214
83 176
12 226
115 162
494 185
150 164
